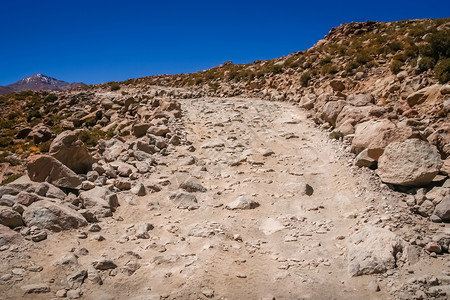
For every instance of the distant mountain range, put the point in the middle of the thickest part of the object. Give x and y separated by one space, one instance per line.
39 82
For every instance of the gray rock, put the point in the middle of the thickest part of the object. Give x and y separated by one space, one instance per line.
39 236
411 163
373 250
192 187
101 201
75 280
184 200
9 217
426 208
442 210
104 264
52 216
142 231
36 288
94 275
243 202
139 189
360 99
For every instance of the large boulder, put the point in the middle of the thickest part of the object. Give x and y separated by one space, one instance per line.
9 236
52 216
357 113
40 133
9 217
337 85
385 137
69 150
366 132
331 110
411 163
420 96
373 250
45 168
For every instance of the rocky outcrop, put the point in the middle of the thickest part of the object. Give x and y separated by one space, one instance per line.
45 168
70 151
52 216
411 163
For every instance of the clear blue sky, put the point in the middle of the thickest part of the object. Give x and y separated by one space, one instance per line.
99 41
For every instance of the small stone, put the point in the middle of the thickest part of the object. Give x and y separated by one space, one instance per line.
74 294
104 264
82 235
6 277
95 228
40 236
61 293
242 202
373 286
142 231
34 268
208 292
17 271
433 247
435 219
98 237
87 185
139 190
39 288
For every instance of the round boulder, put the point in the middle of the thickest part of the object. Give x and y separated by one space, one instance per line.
410 163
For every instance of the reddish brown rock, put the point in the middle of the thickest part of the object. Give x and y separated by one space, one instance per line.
69 150
45 168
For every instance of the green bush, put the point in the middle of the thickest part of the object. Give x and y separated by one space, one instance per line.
442 70
395 46
351 65
326 61
363 57
45 146
426 63
91 137
396 66
329 69
115 86
51 98
305 78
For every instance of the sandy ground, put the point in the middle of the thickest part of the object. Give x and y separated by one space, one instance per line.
292 246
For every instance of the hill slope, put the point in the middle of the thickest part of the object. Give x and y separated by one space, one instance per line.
38 82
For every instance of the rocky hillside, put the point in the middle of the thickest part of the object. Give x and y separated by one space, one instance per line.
271 177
